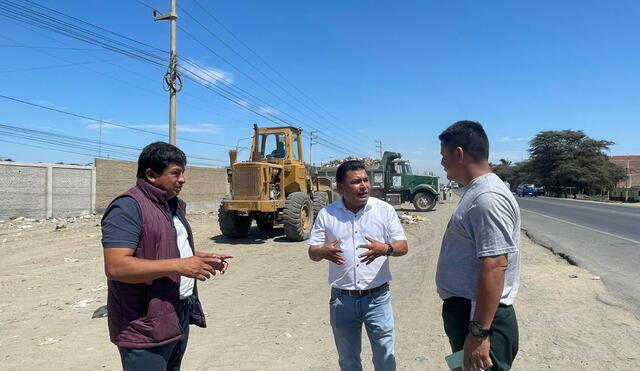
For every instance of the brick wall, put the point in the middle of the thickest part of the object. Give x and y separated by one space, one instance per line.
204 187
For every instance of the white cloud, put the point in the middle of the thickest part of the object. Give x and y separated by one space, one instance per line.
243 103
207 75
202 128
96 125
510 139
215 76
267 110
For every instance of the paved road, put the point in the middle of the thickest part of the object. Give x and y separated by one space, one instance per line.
603 238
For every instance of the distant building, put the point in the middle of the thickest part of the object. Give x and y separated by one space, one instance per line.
629 187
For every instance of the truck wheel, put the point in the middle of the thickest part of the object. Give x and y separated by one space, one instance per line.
424 201
231 224
297 216
320 200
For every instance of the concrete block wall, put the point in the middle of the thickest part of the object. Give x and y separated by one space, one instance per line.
112 179
73 192
204 187
45 190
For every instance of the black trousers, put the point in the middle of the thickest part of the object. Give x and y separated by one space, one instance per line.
456 312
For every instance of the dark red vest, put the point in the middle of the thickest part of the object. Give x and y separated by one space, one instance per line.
145 315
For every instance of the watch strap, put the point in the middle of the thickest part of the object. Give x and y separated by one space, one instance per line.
389 249
475 328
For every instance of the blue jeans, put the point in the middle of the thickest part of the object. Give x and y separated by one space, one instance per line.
167 357
348 313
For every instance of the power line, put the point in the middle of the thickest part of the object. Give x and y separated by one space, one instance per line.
109 122
223 82
66 141
33 17
46 47
272 118
59 25
126 82
255 68
265 63
57 66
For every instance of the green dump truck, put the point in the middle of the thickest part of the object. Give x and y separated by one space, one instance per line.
395 183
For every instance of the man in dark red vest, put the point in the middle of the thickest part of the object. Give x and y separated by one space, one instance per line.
151 265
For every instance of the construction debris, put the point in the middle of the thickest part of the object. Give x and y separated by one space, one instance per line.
407 218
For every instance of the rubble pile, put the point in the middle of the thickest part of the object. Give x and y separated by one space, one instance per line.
369 162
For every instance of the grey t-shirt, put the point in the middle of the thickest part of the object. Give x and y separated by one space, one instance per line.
485 223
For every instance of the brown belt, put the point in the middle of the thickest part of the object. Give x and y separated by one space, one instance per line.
362 292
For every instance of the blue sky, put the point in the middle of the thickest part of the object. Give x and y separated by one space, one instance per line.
399 72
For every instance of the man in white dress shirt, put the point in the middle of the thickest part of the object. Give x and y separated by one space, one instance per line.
357 234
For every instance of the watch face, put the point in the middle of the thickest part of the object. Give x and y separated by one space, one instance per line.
476 329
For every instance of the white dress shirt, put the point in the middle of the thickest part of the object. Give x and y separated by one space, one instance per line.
377 220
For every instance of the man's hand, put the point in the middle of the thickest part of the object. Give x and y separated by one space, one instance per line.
476 353
220 264
328 251
376 250
200 267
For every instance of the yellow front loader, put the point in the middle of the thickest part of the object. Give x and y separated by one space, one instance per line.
273 186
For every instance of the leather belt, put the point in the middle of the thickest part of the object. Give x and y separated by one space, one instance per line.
362 292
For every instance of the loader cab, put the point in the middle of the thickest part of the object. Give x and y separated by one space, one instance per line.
277 144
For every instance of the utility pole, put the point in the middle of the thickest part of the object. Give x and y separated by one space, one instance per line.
312 141
100 139
172 80
379 148
626 196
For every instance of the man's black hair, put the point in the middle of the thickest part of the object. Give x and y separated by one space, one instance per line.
157 156
468 135
350 165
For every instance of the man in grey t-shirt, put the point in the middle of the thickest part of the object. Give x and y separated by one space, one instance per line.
479 266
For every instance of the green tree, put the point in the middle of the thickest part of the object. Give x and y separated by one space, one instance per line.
518 173
569 158
504 170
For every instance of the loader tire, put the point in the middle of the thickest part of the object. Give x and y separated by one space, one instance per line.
297 216
320 200
231 224
424 201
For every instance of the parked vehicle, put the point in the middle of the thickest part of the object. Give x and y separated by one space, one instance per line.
527 190
395 183
273 186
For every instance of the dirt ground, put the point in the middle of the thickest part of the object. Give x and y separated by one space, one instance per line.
270 311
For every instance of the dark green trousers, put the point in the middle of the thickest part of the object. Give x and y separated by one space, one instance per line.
456 313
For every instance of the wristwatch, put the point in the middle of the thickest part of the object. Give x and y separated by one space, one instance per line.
475 328
389 250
